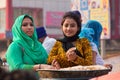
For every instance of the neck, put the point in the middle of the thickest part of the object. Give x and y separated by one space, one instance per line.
70 39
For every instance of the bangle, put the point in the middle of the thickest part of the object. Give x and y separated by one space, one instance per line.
39 66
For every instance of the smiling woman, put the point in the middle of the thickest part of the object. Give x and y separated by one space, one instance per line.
70 51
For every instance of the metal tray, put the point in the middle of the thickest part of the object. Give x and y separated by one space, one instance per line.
82 74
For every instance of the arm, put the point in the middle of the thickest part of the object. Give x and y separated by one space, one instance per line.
15 60
94 51
14 56
98 59
94 57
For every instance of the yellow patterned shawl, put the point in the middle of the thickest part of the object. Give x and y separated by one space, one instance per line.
83 47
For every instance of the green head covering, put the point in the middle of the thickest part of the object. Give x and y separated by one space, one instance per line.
31 46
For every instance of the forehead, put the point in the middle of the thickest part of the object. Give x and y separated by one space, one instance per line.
69 20
26 19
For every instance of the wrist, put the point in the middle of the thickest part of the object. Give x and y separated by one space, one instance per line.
75 58
39 66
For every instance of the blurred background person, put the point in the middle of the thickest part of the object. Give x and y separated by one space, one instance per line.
92 31
23 75
97 27
46 41
88 33
4 74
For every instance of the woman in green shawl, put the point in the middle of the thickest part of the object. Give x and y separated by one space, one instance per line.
25 52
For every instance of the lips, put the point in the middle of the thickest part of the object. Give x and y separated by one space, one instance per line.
68 33
29 32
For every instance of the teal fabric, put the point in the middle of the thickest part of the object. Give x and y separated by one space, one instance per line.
97 27
87 33
24 52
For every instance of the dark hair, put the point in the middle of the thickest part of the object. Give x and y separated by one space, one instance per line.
23 75
4 74
72 15
77 13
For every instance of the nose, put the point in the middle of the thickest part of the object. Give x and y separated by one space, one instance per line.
29 26
68 28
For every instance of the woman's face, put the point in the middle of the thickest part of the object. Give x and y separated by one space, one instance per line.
27 26
69 27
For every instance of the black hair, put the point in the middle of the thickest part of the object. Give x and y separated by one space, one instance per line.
77 13
23 75
4 74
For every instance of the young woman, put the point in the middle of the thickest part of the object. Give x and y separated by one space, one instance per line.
26 52
71 51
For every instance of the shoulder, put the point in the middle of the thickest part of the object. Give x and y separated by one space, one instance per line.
56 46
83 40
48 42
49 39
52 39
14 46
58 43
93 45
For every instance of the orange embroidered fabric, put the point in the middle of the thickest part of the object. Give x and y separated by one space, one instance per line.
83 47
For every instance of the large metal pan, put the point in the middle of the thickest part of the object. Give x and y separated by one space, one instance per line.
81 74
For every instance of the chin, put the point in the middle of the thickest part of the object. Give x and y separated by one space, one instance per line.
30 35
69 35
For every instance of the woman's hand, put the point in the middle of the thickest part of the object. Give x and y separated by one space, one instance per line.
71 55
55 64
108 66
43 66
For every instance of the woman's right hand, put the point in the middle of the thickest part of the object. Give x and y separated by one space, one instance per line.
43 66
108 66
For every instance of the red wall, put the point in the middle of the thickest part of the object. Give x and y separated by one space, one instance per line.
9 15
115 27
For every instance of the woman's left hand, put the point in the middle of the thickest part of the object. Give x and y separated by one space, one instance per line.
71 55
108 66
